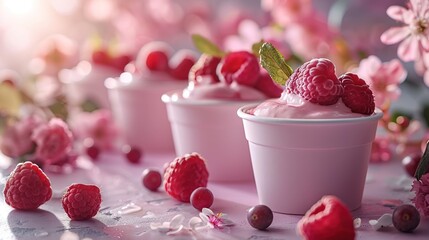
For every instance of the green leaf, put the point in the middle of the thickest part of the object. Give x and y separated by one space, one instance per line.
272 60
89 105
423 164
59 108
206 46
256 47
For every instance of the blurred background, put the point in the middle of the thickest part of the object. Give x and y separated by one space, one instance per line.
40 40
25 25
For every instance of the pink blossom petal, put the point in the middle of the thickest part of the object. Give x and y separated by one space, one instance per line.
394 35
397 71
384 221
420 64
371 65
357 222
396 13
424 40
408 49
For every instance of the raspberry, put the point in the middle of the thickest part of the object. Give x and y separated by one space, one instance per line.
81 201
181 63
266 85
154 56
119 62
27 187
185 174
357 94
241 67
327 219
101 57
316 82
204 70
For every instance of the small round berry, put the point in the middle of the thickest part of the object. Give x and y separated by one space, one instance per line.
406 218
151 179
132 154
93 152
154 56
260 217
201 198
90 148
411 162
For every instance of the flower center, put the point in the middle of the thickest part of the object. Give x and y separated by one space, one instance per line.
216 220
419 26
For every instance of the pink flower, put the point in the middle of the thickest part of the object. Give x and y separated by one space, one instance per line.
311 36
287 11
53 140
16 140
249 33
421 200
53 54
383 78
98 126
414 34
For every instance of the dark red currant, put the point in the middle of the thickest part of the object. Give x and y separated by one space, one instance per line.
91 149
406 218
411 162
93 152
260 217
132 154
151 179
201 198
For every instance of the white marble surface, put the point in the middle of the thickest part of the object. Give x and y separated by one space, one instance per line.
120 185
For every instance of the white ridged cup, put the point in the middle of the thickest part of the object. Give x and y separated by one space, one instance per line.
297 161
140 113
211 128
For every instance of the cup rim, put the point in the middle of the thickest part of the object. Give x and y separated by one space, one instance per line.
241 112
169 97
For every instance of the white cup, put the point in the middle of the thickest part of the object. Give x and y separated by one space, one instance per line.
297 161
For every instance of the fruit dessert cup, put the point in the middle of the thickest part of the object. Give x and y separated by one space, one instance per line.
203 116
84 84
135 96
297 161
313 141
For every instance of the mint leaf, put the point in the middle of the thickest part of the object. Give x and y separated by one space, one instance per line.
423 164
272 60
205 46
256 47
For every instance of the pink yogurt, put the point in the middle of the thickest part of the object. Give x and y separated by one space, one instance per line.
293 106
221 90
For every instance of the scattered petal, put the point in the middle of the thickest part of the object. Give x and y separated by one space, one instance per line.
357 222
169 228
384 221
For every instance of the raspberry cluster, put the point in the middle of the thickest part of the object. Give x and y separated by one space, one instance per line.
317 82
241 67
